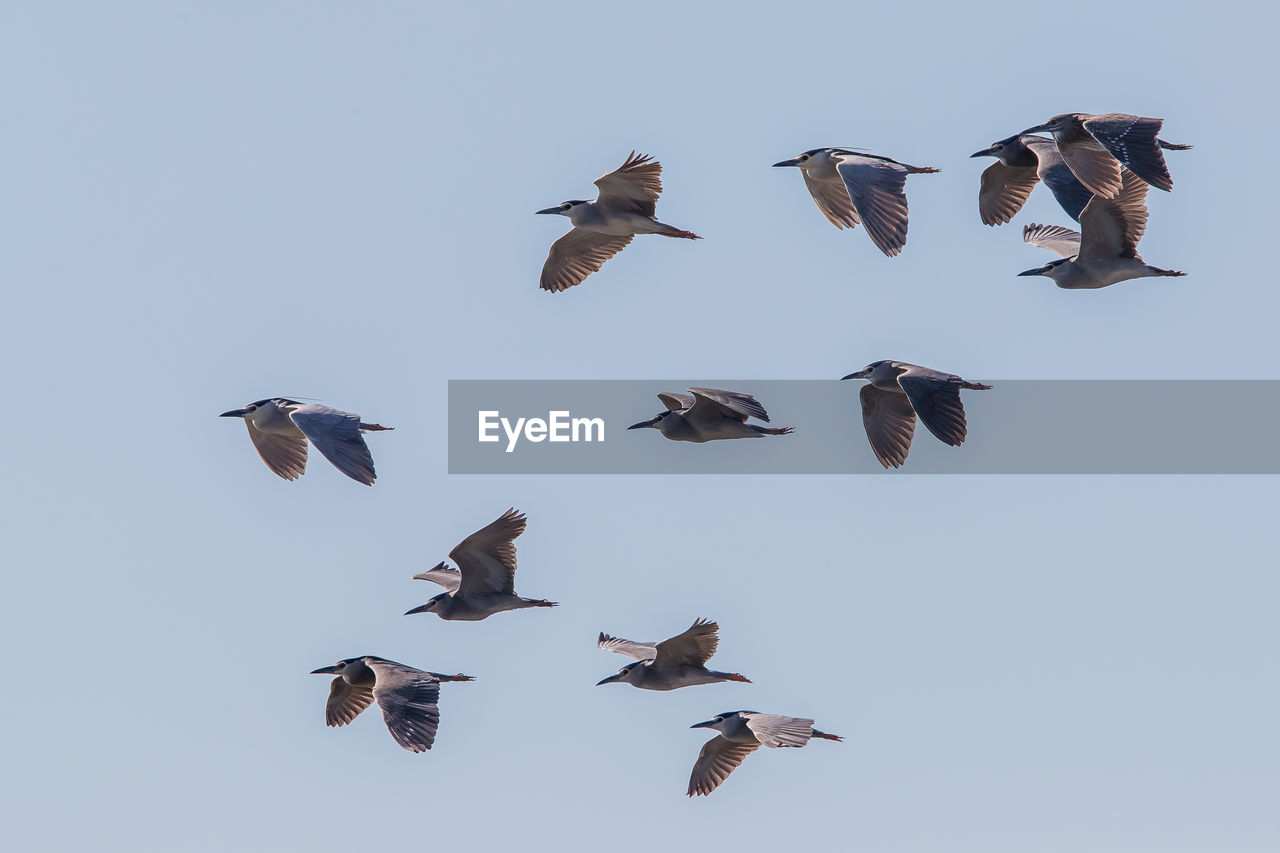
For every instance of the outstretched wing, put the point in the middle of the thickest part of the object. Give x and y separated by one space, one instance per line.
346 701
676 402
777 731
337 435
487 558
890 423
1132 141
877 189
630 648
1003 191
284 453
577 255
832 199
633 187
710 402
936 398
443 575
408 698
1112 227
719 757
694 647
1061 241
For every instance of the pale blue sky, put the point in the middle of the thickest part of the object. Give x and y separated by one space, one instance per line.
205 204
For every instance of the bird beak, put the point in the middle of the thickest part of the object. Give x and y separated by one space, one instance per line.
985 152
709 724
555 209
609 680
425 608
1036 271
861 374
1037 129
792 162
652 422
234 413
325 670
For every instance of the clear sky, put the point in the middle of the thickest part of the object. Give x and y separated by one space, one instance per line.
206 204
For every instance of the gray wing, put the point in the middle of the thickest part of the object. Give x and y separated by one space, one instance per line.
487 558
1003 191
1111 228
408 698
337 435
676 402
284 453
777 731
1065 186
633 187
719 757
443 575
1063 242
833 200
1132 141
936 399
694 647
630 648
890 423
876 188
729 404
346 701
1089 161
577 255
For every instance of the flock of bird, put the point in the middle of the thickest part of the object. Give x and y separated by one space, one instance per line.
1098 168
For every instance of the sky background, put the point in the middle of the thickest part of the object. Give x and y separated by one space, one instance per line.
207 204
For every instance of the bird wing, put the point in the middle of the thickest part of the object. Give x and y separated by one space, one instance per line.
936 398
831 197
692 648
577 255
346 701
408 698
487 558
876 188
630 648
633 187
890 423
709 402
284 453
1112 227
1061 241
777 731
337 435
1132 141
1003 191
719 757
676 402
1057 176
443 575
1091 163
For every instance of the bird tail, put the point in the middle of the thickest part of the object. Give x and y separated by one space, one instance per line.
374 427
826 736
975 386
1173 146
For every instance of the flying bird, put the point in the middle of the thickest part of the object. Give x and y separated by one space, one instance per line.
851 187
484 582
1095 147
1105 251
707 414
625 207
1023 161
280 428
741 732
677 662
407 697
896 393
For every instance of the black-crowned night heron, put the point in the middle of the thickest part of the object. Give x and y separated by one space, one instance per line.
671 664
896 393
741 732
484 582
279 429
851 187
708 414
1106 250
1024 160
625 207
1095 146
407 697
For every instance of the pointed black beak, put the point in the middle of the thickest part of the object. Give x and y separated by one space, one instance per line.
643 424
325 670
425 608
985 152
555 209
234 413
707 724
792 162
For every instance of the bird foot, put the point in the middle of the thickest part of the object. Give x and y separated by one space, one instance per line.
688 235
737 676
780 430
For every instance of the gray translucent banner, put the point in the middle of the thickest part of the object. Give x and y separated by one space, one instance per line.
1018 427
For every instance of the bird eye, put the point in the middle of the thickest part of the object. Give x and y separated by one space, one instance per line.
804 156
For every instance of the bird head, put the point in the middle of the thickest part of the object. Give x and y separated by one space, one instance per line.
716 722
245 412
654 422
871 371
337 669
429 606
563 207
1053 269
1055 124
623 675
804 160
